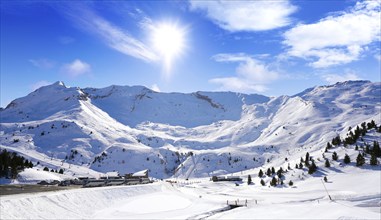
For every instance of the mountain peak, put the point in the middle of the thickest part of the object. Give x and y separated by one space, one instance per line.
59 83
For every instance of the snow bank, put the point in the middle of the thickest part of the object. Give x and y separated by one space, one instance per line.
69 204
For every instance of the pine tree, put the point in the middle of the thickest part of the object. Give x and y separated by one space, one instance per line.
325 179
347 159
263 182
296 166
307 157
376 149
373 160
249 180
360 160
290 183
312 168
273 181
336 140
334 156
268 173
279 172
61 171
272 170
327 163
329 146
46 169
260 174
301 165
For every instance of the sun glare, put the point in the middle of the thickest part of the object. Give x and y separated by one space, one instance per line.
168 40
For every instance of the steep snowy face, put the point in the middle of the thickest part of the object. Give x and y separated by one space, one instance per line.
44 103
135 105
346 98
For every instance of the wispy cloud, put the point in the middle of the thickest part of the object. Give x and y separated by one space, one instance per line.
42 63
337 39
246 15
115 37
251 75
76 68
39 84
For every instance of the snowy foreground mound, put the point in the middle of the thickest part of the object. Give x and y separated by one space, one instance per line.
353 197
89 131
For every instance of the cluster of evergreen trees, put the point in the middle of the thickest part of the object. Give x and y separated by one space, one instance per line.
11 164
274 174
61 171
351 139
307 162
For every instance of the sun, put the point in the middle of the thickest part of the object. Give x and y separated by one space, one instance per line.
169 42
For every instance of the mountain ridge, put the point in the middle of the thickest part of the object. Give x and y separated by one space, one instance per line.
174 134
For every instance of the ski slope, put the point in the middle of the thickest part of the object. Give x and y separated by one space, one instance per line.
355 192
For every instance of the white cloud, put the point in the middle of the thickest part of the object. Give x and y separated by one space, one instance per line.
42 63
39 84
237 84
337 39
114 36
334 78
251 74
76 68
155 88
246 15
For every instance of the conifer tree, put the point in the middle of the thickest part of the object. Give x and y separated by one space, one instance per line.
290 183
373 160
249 181
325 179
301 165
360 160
312 168
307 157
376 149
272 170
334 156
268 173
329 146
263 182
273 181
327 163
347 159
260 174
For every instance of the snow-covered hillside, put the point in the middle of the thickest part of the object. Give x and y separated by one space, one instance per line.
127 129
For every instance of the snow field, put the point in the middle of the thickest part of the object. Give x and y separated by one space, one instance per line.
356 195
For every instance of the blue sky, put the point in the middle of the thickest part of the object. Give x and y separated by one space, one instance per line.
266 47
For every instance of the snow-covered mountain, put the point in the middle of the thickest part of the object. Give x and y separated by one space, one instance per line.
127 129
